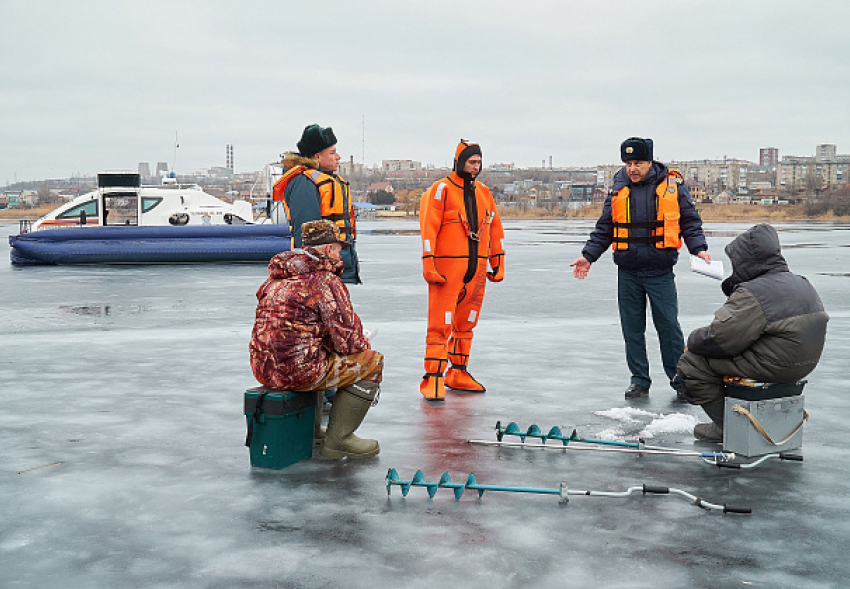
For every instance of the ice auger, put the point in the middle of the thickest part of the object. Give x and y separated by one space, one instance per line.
562 491
719 459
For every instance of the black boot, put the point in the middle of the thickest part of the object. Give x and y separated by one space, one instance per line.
636 391
714 409
712 432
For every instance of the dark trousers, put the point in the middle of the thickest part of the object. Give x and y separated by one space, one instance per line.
632 294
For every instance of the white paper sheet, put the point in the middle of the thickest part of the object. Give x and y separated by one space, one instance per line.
714 269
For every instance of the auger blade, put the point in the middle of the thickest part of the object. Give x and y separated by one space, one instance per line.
471 483
512 429
392 476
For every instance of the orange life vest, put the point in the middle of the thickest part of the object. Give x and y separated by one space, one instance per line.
334 198
665 227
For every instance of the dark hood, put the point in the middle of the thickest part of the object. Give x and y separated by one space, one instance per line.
656 174
753 253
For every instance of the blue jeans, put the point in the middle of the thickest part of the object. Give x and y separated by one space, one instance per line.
632 293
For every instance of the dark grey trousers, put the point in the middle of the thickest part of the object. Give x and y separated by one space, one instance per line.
633 292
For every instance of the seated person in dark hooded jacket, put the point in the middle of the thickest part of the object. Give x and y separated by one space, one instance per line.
772 328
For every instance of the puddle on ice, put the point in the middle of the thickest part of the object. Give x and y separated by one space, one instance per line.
638 423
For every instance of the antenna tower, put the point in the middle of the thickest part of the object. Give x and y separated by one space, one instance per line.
176 145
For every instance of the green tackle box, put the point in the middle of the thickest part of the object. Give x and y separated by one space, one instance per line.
280 426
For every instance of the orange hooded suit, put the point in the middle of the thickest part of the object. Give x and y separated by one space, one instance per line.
461 232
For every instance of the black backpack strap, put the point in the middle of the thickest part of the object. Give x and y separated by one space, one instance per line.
258 410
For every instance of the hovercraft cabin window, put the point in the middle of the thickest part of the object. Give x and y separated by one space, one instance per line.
149 203
120 208
89 208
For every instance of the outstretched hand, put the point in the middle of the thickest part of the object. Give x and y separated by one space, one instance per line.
580 268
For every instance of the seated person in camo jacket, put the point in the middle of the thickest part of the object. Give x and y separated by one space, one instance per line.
307 337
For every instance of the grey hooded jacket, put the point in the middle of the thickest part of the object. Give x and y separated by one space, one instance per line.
773 325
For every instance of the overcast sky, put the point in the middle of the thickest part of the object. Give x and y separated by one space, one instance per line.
87 86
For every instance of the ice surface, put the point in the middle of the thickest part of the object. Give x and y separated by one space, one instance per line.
131 379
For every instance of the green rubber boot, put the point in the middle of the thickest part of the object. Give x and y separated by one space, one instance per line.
349 408
319 431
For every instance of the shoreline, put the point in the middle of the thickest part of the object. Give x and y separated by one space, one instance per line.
710 213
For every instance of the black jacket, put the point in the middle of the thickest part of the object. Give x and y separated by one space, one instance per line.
644 259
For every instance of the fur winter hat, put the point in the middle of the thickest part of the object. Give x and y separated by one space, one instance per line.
320 232
315 139
636 149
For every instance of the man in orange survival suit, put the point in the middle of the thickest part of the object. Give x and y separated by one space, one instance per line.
461 231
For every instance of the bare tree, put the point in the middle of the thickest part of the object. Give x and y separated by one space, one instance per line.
43 195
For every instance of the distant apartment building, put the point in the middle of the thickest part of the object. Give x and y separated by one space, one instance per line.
716 175
712 176
697 189
768 157
605 175
349 169
826 169
400 166
219 172
579 192
144 169
12 198
826 152
406 170
246 176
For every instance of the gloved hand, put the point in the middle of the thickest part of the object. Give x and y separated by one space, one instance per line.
432 276
497 274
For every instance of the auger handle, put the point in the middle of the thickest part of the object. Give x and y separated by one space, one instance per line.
655 490
795 457
736 509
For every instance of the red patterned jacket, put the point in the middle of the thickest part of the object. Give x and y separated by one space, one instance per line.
304 311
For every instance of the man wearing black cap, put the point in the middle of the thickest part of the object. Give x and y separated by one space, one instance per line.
311 189
645 218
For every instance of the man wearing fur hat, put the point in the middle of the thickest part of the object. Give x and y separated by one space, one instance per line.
461 232
307 337
311 189
645 218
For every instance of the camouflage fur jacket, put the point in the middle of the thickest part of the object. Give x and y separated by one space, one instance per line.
304 312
